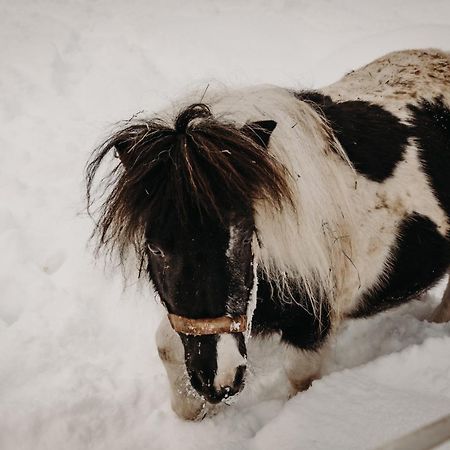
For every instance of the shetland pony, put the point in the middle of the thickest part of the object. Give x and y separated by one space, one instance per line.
267 211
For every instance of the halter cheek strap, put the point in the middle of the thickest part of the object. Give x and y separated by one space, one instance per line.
201 327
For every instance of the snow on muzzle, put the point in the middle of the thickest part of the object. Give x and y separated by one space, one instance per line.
215 354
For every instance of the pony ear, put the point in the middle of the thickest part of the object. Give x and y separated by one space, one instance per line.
260 131
121 152
126 150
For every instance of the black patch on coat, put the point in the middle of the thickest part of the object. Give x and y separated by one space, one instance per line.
294 318
431 124
373 138
419 258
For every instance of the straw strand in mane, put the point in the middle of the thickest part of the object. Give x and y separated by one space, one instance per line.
198 164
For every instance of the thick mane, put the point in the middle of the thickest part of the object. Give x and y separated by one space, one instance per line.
198 163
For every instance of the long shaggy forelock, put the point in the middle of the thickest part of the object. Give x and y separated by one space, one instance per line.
198 163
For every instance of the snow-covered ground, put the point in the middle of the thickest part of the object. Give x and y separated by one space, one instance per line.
78 365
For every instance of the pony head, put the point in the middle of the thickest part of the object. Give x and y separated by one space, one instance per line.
183 197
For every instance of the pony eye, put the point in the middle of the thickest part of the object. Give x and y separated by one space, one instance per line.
247 240
155 250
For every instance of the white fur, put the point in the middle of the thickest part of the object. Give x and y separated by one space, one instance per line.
396 79
302 366
228 360
442 313
251 306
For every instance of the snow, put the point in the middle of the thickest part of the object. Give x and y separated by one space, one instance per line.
78 365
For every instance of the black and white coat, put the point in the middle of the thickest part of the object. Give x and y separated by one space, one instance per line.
369 165
371 158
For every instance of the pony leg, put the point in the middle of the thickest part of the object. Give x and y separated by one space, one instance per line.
186 403
442 313
302 367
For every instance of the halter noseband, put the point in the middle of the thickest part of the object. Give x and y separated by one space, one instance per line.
201 327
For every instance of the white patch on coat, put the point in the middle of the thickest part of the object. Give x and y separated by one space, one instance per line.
251 306
396 79
228 360
302 366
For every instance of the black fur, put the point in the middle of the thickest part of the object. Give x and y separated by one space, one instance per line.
419 258
430 121
200 353
190 269
184 272
293 318
373 138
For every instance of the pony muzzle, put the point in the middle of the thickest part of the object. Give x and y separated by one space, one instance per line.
215 354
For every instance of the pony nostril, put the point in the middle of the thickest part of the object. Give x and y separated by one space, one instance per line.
226 391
